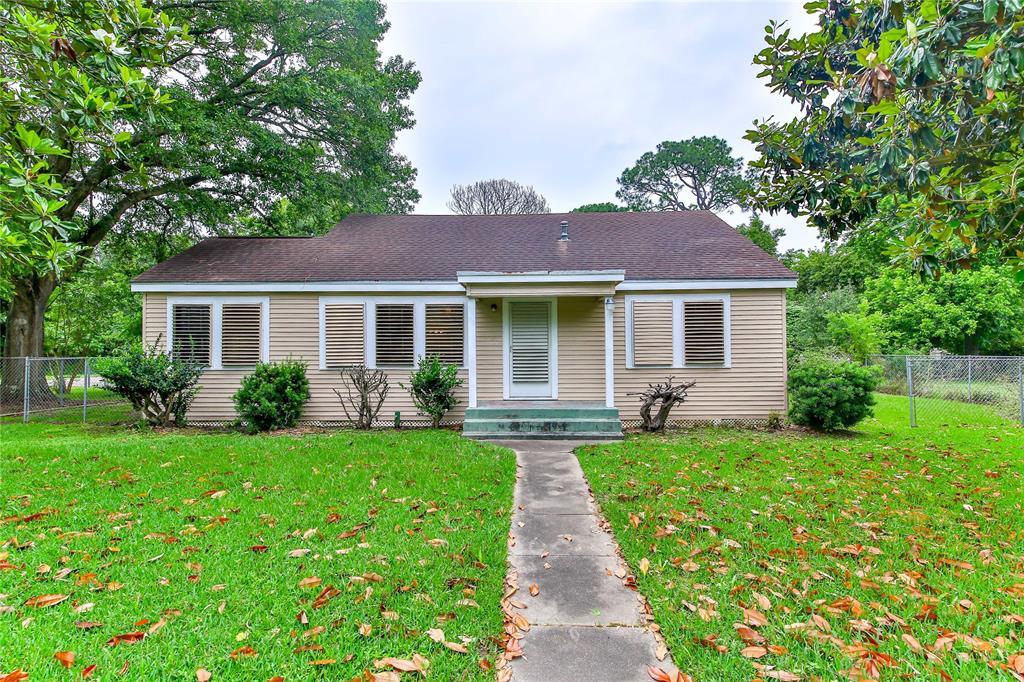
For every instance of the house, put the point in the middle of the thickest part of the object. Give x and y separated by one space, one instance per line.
556 320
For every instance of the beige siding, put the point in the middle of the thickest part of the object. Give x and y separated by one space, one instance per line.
489 349
754 386
154 319
294 332
581 348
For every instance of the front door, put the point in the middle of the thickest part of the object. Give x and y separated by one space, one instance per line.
529 336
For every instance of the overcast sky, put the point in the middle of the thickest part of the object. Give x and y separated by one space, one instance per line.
564 96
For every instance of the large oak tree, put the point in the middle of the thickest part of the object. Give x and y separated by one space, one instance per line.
268 115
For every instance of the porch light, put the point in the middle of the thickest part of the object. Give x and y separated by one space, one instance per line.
609 302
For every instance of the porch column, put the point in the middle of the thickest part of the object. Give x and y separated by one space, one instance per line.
609 351
471 348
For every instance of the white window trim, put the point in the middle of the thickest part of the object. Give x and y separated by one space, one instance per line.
506 347
678 355
216 304
419 330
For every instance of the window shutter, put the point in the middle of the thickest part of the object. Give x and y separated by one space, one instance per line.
240 334
344 335
191 326
704 332
445 327
394 332
652 333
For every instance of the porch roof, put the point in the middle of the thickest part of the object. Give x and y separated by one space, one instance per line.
538 283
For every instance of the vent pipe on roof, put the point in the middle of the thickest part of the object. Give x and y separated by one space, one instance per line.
564 237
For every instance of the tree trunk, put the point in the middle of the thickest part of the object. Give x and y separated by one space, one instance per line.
972 345
24 338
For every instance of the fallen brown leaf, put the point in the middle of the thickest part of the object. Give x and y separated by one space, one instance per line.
45 600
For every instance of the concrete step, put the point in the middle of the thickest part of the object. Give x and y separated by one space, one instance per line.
573 422
576 435
542 413
536 425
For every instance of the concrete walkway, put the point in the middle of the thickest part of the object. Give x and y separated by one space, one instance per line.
585 624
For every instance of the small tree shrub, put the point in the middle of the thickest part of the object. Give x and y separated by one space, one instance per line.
272 396
365 391
829 395
432 387
158 386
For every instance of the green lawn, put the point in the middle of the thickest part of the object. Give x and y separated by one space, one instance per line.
203 542
894 551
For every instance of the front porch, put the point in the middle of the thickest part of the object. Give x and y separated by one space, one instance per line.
540 355
543 419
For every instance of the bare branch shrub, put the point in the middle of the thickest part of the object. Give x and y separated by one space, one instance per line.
665 396
365 391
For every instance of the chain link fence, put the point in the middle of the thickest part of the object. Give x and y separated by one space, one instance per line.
938 386
57 390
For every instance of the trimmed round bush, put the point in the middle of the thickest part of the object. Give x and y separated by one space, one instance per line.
272 396
829 395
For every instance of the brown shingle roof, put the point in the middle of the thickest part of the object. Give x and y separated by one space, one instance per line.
670 245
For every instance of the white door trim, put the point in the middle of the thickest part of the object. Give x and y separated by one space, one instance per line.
506 355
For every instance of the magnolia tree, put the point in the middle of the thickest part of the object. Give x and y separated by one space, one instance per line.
910 112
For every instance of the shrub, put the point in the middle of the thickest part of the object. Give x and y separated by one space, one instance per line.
830 395
160 387
365 391
272 396
432 387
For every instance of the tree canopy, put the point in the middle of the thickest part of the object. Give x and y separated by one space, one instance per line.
496 197
909 111
697 173
970 311
762 234
276 116
600 207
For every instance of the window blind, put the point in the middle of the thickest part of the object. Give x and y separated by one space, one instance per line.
445 332
191 332
704 332
394 335
652 333
240 334
344 334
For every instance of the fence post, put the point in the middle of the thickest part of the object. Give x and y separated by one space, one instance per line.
910 392
970 380
1020 386
26 404
85 391
60 378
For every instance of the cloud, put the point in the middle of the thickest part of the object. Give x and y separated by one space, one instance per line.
564 96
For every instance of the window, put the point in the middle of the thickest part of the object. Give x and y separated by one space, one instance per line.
704 332
394 335
678 330
344 335
240 334
445 327
192 333
219 331
652 333
391 332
